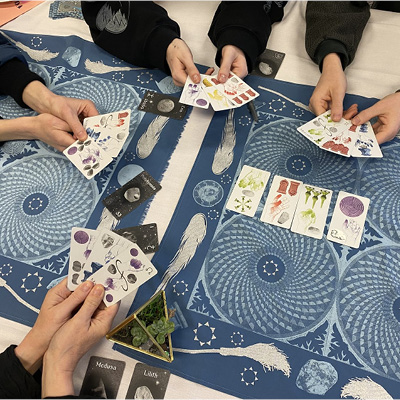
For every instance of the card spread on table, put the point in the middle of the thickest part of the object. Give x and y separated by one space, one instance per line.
348 218
248 190
103 377
341 137
268 63
131 195
109 131
162 104
311 211
148 382
145 236
281 202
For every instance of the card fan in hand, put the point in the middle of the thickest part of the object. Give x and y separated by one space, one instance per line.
147 330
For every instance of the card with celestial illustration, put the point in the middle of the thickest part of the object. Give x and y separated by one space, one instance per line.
128 197
82 241
248 190
123 274
366 144
268 63
281 202
193 95
163 104
311 211
109 131
88 157
348 219
145 236
322 127
148 382
102 379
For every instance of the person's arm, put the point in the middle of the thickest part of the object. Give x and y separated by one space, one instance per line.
240 30
73 340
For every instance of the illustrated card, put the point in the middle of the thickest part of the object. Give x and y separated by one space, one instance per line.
215 93
162 104
148 382
145 236
323 127
311 212
103 377
348 219
109 131
193 95
82 241
248 190
131 195
341 143
268 63
366 144
88 157
123 274
281 202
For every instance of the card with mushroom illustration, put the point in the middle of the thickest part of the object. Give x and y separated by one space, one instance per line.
312 210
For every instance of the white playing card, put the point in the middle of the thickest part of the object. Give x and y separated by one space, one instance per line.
341 143
82 241
193 95
366 144
107 246
124 274
215 94
109 131
238 91
248 190
281 202
88 157
311 212
348 219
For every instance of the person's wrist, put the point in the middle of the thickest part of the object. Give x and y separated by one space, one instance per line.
331 62
38 97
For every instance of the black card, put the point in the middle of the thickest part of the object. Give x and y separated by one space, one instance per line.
131 195
102 378
162 104
268 63
148 382
145 236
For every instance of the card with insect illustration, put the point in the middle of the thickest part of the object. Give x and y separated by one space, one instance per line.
193 95
366 144
109 131
124 273
348 218
248 190
82 241
163 104
281 202
88 157
311 211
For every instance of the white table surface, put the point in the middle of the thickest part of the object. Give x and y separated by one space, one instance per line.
375 72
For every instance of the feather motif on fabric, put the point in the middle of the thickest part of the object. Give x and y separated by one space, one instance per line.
98 67
149 139
364 389
190 241
223 156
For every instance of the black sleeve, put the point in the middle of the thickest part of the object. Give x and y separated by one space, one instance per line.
15 381
335 27
138 32
244 24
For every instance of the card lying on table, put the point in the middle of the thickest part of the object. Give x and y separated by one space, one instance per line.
162 104
145 236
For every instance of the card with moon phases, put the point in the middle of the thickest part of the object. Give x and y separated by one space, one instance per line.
109 131
268 63
162 104
145 236
131 195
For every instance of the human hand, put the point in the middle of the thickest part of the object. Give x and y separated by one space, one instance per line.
331 88
56 309
387 111
70 110
73 340
232 59
180 61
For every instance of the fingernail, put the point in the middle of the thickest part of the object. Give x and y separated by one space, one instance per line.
98 290
355 120
222 78
196 78
86 286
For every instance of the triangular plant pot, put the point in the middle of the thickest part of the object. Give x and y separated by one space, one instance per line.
132 331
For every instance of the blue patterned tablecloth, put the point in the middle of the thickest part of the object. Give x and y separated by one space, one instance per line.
43 195
262 312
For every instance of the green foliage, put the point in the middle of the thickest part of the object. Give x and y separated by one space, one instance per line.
153 311
159 329
138 336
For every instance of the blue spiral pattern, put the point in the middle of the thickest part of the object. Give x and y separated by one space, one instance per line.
268 280
380 182
43 197
369 309
280 149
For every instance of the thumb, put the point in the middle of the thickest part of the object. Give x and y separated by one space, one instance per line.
91 303
364 116
337 108
191 70
77 128
225 68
